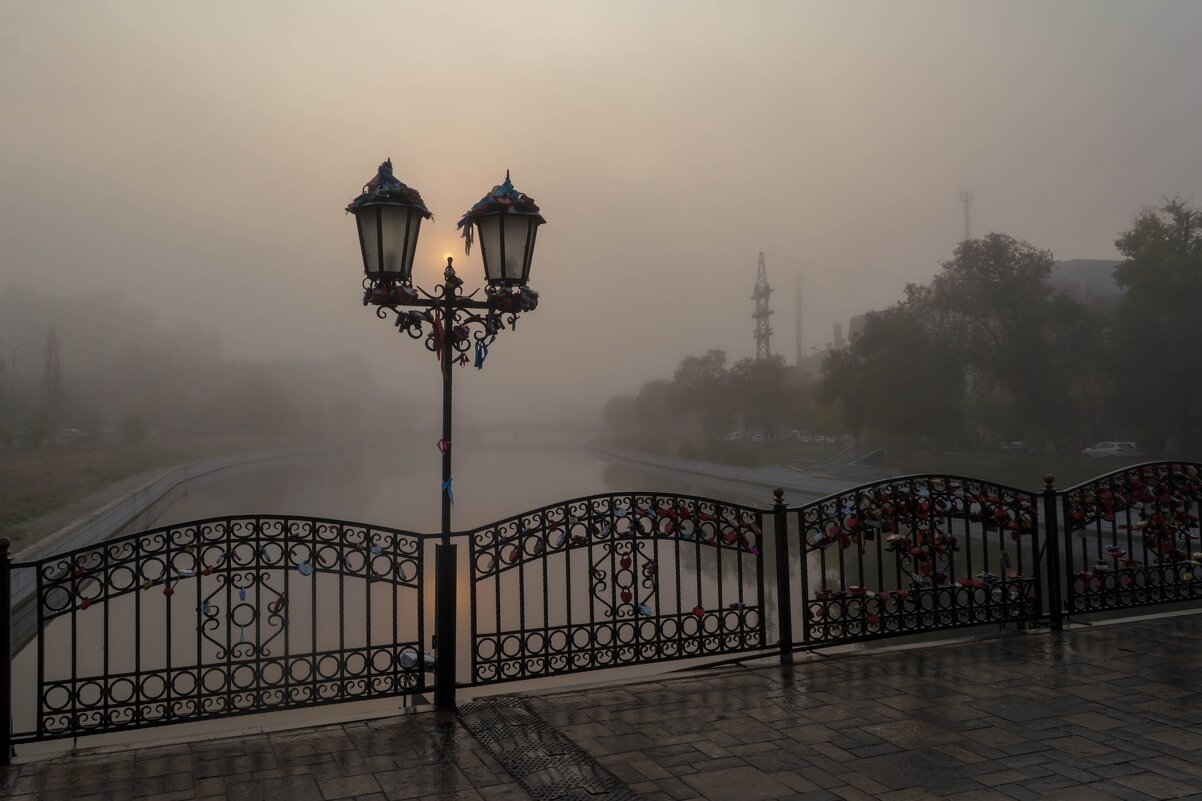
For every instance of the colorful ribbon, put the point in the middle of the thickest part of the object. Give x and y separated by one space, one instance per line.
481 354
446 485
438 337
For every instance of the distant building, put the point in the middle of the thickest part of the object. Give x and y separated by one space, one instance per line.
855 326
1090 281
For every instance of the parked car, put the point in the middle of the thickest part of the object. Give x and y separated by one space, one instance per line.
1101 449
1018 445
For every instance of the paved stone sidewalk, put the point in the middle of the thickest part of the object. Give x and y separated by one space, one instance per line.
426 756
1101 713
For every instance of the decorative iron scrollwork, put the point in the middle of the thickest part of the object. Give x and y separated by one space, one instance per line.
1132 537
918 554
207 609
666 577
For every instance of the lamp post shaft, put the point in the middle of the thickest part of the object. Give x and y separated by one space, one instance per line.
446 554
448 331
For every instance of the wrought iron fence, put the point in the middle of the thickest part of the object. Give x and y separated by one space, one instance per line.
917 554
220 617
242 615
613 580
1131 538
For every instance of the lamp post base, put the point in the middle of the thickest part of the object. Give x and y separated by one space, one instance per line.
445 563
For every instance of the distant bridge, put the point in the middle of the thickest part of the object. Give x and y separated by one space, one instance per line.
528 434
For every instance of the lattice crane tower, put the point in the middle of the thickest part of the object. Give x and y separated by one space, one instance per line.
763 331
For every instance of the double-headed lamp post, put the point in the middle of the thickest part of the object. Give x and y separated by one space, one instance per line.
453 325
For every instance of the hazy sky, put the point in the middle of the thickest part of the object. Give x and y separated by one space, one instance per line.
196 157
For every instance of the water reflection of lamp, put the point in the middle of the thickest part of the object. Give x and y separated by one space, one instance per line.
388 215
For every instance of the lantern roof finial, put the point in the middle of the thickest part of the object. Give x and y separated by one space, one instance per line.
386 188
503 199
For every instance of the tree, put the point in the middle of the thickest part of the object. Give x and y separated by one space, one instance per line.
764 393
899 378
1158 330
989 333
994 296
699 389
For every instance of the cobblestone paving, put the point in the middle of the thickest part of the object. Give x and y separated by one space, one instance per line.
1102 713
422 756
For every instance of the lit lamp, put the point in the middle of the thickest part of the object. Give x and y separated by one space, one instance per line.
388 215
507 222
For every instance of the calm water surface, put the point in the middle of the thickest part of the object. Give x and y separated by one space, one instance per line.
392 487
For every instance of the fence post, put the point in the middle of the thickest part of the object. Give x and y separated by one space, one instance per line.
6 664
784 603
446 563
1051 527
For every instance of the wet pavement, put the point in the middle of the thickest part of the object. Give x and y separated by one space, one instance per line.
1108 712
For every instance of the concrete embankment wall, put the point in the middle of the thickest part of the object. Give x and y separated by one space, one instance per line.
748 484
133 512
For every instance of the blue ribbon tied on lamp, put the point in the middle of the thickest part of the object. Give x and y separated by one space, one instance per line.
446 486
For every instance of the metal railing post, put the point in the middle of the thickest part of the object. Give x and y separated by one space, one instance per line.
6 669
446 562
784 603
1051 527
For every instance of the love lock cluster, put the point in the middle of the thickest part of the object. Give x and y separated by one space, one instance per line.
1142 526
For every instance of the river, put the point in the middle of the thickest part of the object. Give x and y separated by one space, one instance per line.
392 487
399 487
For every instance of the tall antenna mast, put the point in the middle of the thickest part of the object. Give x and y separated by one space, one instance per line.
763 333
966 198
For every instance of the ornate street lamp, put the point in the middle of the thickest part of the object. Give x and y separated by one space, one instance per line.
388 215
508 223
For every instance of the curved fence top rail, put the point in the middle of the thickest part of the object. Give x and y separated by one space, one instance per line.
1142 467
346 532
599 519
948 479
643 496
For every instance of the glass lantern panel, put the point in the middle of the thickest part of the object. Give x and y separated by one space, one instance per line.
490 245
366 219
517 233
505 259
399 228
415 221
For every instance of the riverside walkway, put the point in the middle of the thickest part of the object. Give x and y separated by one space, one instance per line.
1102 712
750 483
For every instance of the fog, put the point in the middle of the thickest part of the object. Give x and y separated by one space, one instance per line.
194 161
